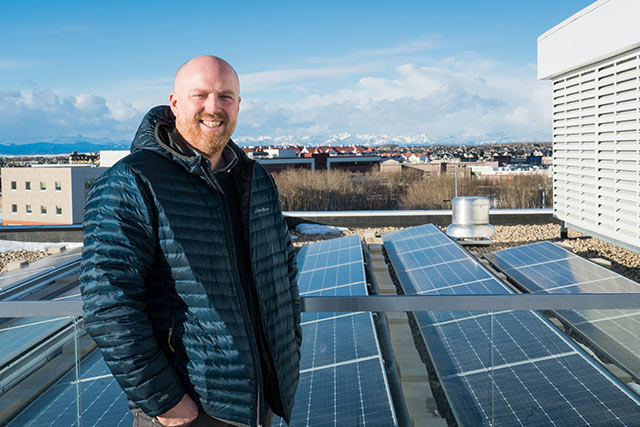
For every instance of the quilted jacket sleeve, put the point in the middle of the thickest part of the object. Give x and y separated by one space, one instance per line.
118 253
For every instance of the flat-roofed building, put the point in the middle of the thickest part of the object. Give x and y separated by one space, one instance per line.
353 163
109 158
277 164
593 60
46 194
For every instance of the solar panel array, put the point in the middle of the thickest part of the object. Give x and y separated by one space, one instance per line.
103 401
502 367
544 267
342 377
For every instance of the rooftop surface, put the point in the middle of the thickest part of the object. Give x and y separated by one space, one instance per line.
93 371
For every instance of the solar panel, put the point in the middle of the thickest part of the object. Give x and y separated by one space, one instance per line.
350 394
24 333
339 279
546 268
338 339
505 367
342 377
103 401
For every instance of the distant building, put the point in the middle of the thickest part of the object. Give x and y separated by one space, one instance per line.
461 169
109 158
76 158
390 165
502 160
46 194
357 163
273 153
435 168
484 171
277 164
593 60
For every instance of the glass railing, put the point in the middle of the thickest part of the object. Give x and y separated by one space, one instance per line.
478 359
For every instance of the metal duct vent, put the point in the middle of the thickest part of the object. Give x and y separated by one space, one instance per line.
470 219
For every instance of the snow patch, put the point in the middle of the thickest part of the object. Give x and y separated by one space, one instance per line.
635 387
319 229
591 353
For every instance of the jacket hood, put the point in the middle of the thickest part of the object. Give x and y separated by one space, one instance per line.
145 138
152 135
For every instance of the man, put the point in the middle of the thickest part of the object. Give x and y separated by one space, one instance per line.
188 273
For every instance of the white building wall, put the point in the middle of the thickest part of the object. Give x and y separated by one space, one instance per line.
60 190
109 158
596 119
599 31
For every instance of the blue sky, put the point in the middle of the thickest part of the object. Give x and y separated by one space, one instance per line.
460 71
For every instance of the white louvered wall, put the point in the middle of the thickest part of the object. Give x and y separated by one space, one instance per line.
596 143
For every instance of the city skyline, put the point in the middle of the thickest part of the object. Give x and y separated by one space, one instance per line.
460 73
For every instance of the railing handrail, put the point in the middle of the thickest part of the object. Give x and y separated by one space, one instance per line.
389 303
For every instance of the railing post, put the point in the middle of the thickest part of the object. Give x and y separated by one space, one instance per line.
77 367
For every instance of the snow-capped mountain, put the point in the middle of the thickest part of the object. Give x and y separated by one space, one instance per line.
371 140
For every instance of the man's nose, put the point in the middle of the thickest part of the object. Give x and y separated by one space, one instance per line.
213 104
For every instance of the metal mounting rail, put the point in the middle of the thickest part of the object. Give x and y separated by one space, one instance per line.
388 303
24 288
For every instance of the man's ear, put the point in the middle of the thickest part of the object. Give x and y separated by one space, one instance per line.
239 99
173 101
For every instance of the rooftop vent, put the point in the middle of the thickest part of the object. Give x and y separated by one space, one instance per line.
470 220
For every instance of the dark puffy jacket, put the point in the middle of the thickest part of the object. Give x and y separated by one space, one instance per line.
162 297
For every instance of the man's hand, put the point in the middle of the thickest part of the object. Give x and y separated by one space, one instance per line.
185 411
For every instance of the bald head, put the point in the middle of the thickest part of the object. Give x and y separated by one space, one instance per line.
197 64
205 102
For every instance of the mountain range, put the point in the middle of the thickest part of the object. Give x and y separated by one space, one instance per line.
61 147
82 144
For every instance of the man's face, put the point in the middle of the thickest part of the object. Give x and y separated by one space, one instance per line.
206 104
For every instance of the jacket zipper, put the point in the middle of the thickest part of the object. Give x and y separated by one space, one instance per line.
260 317
238 294
171 333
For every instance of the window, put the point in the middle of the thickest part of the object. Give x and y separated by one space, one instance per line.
58 186
43 209
58 210
14 208
28 209
43 186
14 185
27 185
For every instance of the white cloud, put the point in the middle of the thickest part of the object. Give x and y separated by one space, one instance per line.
41 114
122 111
451 100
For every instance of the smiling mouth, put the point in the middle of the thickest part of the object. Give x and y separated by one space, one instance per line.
211 123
